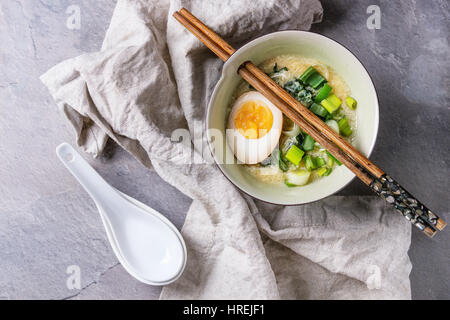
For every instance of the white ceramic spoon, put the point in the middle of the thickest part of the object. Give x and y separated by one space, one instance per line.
147 245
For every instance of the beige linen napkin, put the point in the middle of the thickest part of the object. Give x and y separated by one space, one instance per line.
152 77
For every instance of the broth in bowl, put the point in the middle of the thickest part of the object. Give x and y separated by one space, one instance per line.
273 148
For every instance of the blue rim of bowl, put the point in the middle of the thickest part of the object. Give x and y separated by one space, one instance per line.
208 109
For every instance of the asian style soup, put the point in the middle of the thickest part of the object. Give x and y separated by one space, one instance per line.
272 147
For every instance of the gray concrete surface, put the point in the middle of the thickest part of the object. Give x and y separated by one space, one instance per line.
47 222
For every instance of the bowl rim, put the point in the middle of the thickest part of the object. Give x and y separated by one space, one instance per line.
222 77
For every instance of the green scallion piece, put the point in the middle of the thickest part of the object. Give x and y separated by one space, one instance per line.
297 178
318 110
330 162
278 159
322 171
334 100
344 127
308 143
319 162
308 73
323 93
351 103
315 80
335 160
329 106
294 154
309 163
283 165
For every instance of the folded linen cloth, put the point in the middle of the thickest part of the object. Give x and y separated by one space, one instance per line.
152 77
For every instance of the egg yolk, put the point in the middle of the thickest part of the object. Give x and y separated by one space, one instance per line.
253 120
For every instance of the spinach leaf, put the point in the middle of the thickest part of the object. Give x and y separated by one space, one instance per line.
277 73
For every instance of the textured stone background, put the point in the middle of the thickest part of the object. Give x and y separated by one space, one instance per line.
47 222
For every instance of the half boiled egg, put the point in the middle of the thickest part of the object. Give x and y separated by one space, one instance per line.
254 127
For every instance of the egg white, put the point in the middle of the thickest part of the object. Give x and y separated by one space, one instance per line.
252 151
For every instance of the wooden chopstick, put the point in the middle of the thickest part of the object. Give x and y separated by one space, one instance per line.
207 31
363 168
201 36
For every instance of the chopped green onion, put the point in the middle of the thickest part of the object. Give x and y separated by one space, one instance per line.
289 185
344 127
316 80
309 163
286 145
308 143
351 103
334 100
309 72
330 162
327 104
323 92
312 77
334 158
333 125
283 166
319 162
294 154
276 154
324 171
321 172
297 178
293 132
318 110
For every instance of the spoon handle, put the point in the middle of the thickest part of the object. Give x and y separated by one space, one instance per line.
100 191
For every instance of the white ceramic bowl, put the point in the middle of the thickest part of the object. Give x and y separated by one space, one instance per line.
309 45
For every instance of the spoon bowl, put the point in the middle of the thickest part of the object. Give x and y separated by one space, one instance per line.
147 244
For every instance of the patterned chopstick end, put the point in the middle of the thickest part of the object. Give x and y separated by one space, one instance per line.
412 209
